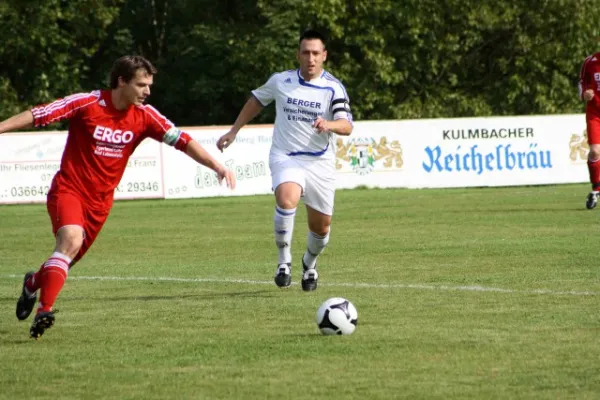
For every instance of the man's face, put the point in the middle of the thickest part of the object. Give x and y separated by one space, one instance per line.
138 88
311 55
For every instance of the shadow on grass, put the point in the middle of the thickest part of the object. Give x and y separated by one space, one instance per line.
515 210
258 293
7 336
304 335
11 301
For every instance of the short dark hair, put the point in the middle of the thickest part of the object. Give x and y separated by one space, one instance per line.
312 34
126 67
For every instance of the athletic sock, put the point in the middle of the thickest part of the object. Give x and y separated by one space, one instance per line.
53 278
315 245
594 169
284 229
33 283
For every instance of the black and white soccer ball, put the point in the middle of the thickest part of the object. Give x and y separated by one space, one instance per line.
337 316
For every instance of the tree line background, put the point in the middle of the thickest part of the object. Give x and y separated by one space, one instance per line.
399 59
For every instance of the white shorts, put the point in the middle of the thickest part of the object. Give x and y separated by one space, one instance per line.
316 176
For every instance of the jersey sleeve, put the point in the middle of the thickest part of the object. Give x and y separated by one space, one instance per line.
340 103
62 109
266 93
159 128
582 86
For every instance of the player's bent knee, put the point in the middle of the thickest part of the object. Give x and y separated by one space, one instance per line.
287 201
69 240
319 229
286 204
594 154
321 232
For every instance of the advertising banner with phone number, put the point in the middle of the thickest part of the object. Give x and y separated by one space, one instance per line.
29 161
435 153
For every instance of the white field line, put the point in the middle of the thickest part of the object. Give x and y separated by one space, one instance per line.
332 284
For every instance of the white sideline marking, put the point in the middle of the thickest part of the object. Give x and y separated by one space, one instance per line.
332 284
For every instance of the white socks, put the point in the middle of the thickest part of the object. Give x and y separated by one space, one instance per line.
315 246
283 222
284 228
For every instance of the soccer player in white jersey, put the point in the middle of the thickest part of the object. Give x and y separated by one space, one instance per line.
311 108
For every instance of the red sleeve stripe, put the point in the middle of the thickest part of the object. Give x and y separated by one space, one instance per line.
48 108
158 117
66 115
40 112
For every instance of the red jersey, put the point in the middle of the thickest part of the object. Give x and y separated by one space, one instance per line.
590 79
100 141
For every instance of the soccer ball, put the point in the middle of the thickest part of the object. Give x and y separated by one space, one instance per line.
337 316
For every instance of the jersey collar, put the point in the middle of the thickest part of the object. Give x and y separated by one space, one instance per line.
107 96
302 80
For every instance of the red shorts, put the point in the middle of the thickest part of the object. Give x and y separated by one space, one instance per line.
593 128
68 209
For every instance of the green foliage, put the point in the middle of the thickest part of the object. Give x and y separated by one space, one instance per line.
397 59
47 46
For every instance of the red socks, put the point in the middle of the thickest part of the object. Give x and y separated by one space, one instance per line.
594 168
33 284
50 279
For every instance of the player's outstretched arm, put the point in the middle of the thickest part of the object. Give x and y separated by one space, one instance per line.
16 122
250 110
197 153
339 126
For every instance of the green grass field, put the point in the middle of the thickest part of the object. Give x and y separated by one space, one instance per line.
462 293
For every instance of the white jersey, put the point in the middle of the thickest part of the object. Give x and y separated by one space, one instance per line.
298 103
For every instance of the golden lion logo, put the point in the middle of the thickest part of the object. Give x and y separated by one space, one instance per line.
361 154
579 147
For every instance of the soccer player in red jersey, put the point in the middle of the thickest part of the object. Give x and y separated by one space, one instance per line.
105 127
589 91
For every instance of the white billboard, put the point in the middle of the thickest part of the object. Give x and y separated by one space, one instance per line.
29 161
434 153
248 158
